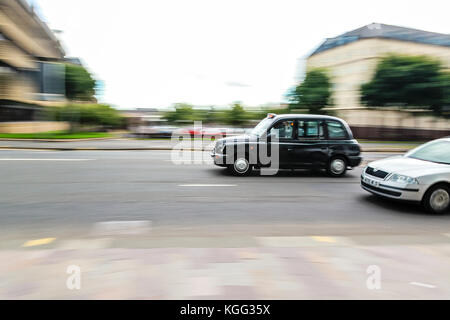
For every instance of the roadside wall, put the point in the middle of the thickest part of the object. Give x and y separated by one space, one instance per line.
394 124
33 126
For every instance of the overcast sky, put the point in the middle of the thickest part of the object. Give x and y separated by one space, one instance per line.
155 53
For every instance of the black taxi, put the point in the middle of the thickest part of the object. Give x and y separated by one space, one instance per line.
291 141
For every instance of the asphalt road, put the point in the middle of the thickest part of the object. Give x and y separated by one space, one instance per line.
65 193
89 196
158 144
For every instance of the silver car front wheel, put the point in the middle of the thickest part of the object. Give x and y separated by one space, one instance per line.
437 199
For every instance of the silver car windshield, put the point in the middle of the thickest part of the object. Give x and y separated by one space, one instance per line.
262 127
437 151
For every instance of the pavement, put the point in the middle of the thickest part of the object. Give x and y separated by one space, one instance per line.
139 225
147 144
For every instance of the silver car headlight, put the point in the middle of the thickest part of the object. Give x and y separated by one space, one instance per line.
402 179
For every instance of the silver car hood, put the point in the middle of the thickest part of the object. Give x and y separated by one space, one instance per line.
409 166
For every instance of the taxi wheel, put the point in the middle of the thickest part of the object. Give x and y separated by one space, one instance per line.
437 199
337 166
240 167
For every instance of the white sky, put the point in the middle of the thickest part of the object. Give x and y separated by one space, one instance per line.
155 53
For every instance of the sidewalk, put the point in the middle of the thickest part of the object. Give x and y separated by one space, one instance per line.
135 144
271 268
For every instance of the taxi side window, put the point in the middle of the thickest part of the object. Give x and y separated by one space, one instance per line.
309 130
283 130
336 131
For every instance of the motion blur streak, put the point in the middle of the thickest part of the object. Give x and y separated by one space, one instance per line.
133 98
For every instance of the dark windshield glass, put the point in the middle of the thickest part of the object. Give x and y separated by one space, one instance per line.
438 151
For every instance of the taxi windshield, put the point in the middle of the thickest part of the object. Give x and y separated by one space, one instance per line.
262 127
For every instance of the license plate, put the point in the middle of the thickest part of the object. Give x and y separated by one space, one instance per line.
371 182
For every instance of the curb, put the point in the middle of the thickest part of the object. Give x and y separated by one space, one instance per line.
387 150
390 150
59 140
100 149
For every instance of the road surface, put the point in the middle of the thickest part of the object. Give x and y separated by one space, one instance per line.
142 226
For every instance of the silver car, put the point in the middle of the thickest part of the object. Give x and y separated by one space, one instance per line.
421 175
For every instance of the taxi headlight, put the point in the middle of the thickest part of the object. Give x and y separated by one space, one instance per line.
402 179
220 145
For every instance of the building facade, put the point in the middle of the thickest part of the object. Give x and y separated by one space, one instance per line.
31 70
351 58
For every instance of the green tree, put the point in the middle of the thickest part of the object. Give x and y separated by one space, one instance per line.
313 93
408 81
79 115
79 83
444 107
213 116
237 115
182 112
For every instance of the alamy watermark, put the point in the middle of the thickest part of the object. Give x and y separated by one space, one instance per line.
73 282
373 282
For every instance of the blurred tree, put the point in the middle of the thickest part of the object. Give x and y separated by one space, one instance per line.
79 115
237 115
313 93
79 83
408 81
182 112
445 79
213 116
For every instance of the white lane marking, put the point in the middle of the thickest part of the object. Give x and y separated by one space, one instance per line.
90 244
122 227
207 185
42 159
422 285
190 161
